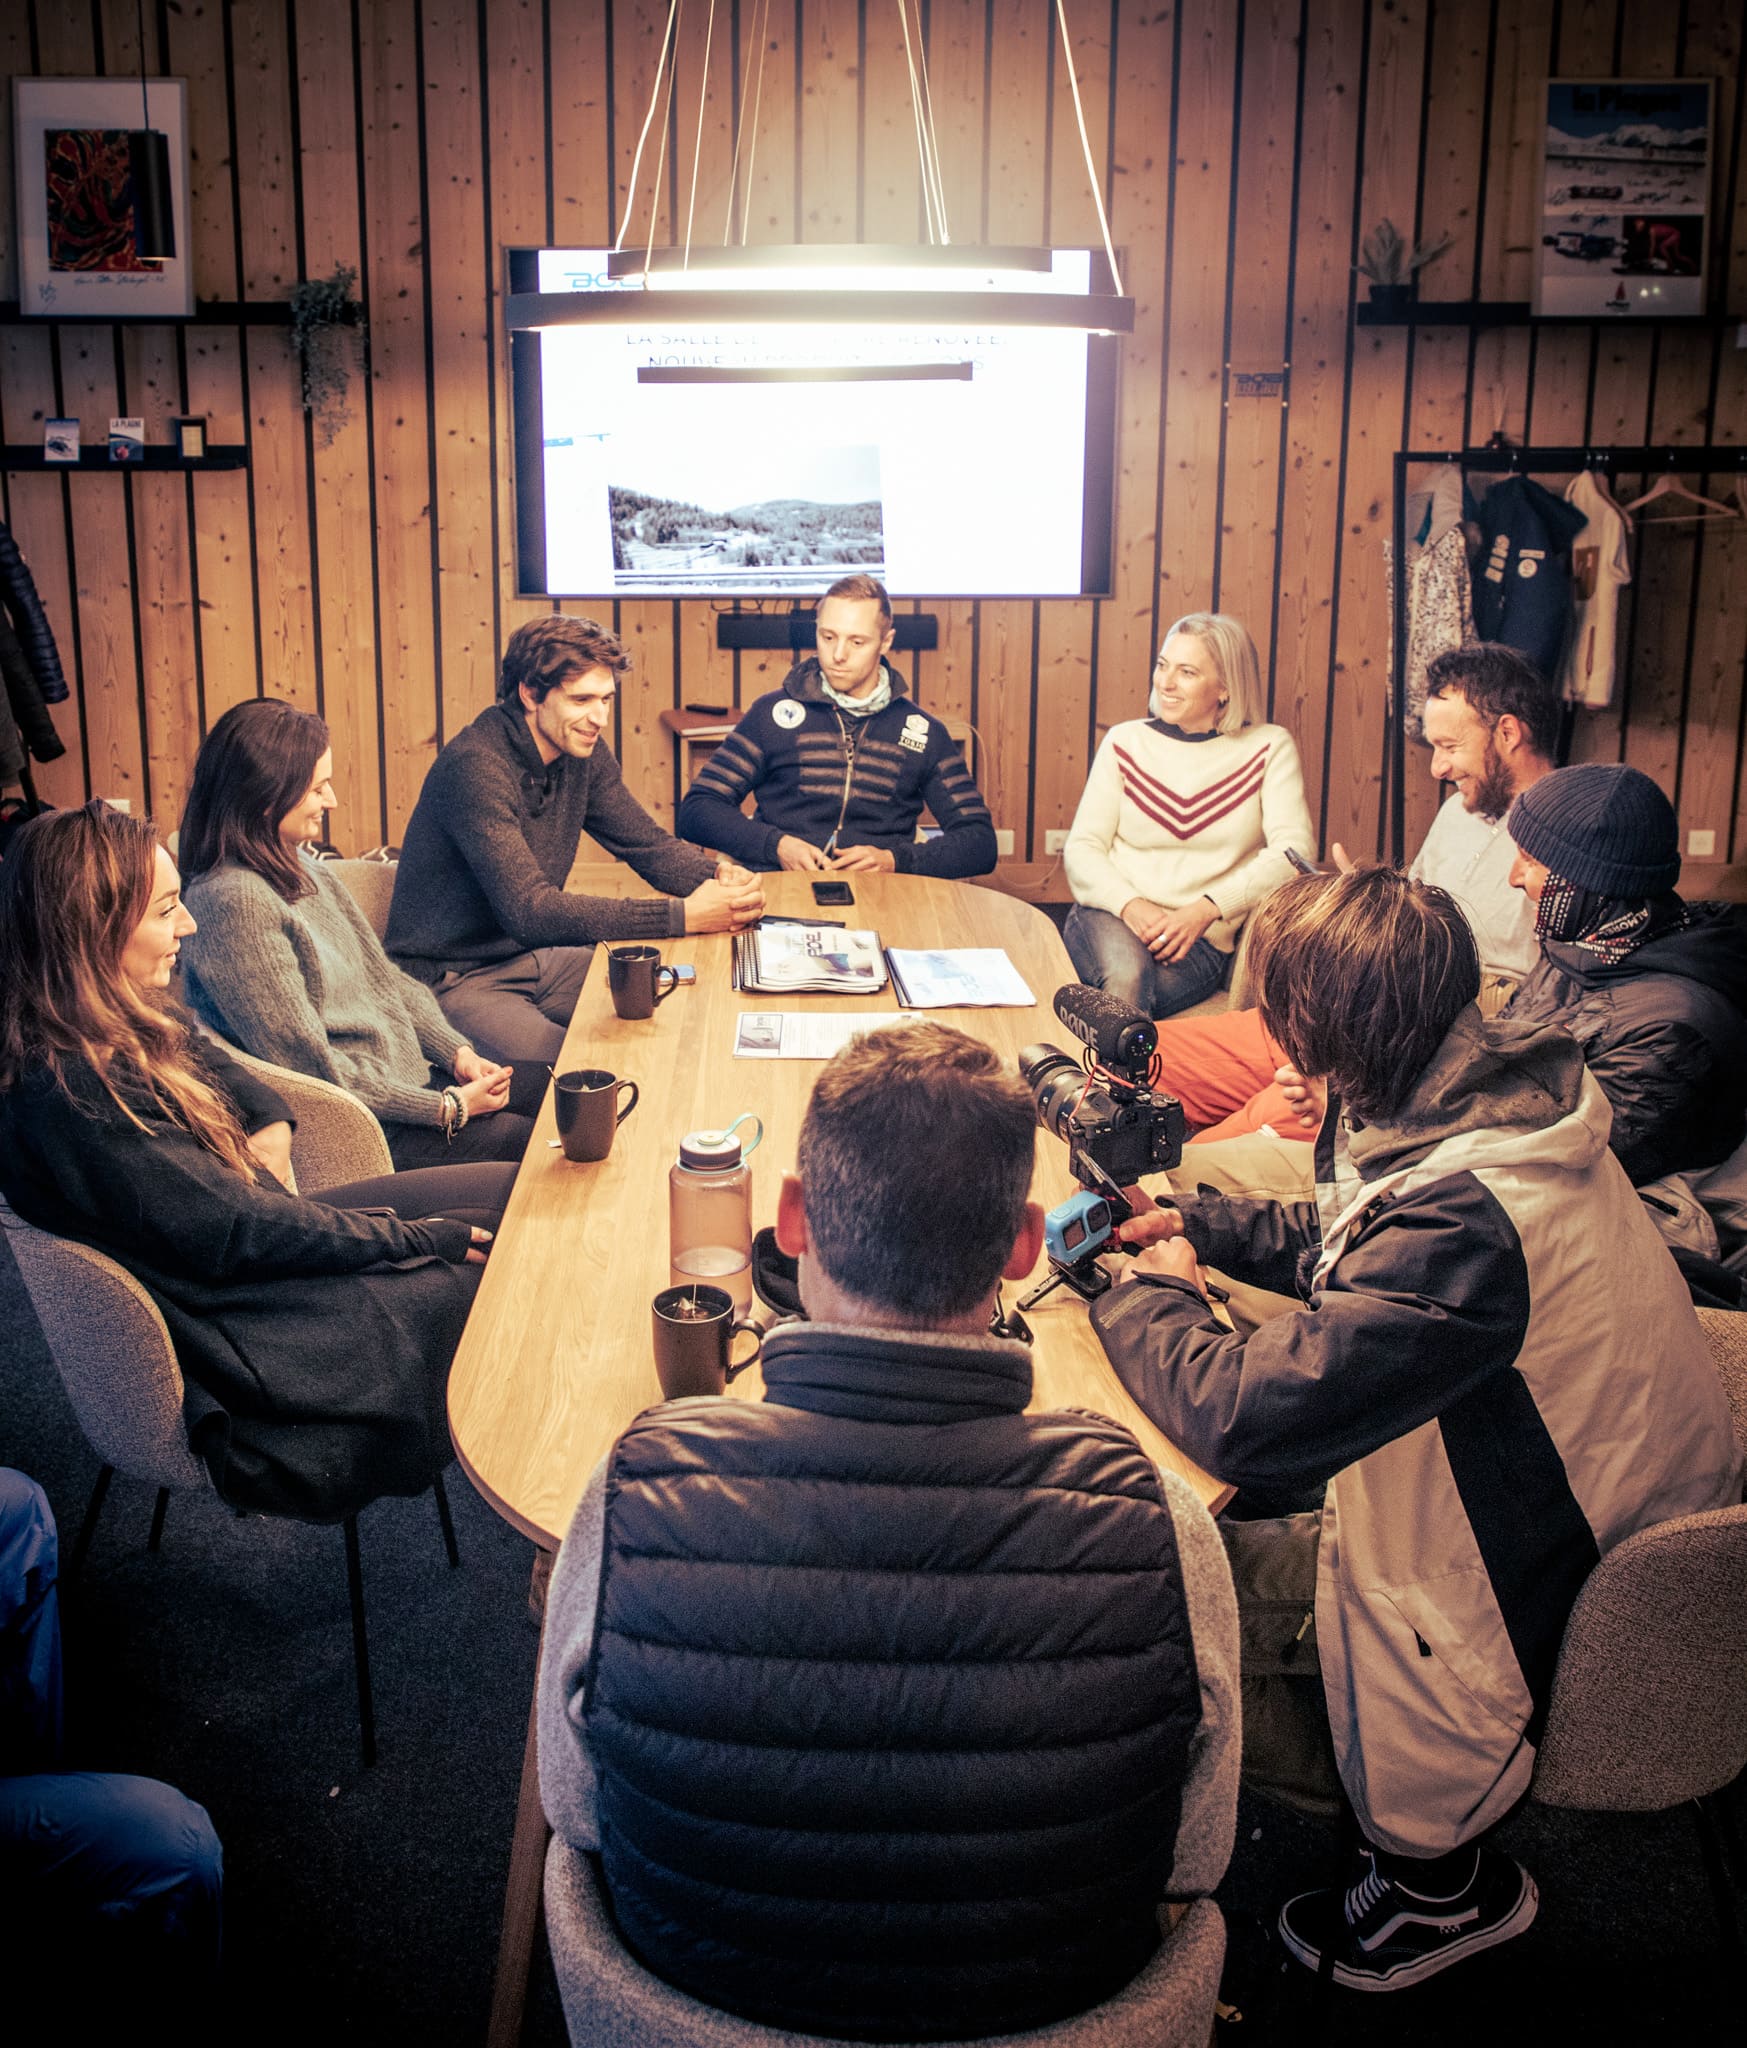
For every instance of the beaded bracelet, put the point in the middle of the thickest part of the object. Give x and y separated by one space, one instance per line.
454 1113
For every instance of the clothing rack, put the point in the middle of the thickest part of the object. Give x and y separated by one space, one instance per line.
1497 460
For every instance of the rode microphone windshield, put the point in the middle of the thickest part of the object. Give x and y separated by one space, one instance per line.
1119 1035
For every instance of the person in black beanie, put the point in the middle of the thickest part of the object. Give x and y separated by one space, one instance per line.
1653 989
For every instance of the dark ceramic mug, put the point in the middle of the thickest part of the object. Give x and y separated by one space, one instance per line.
638 980
586 1103
694 1327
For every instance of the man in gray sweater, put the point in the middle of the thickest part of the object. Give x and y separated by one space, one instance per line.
480 911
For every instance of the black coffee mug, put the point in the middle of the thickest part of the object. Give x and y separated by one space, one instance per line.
694 1326
638 980
586 1101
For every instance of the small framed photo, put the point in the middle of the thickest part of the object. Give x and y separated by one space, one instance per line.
1625 198
190 437
60 440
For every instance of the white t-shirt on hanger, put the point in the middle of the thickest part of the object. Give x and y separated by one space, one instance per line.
1599 565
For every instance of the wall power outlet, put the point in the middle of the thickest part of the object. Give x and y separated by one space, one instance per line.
1701 845
1054 841
1004 840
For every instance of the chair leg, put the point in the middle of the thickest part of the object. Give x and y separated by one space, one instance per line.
438 1488
360 1644
88 1527
158 1512
1722 1894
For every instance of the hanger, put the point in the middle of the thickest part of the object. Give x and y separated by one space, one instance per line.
1596 462
1670 487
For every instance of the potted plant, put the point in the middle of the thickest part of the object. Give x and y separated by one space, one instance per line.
327 338
1392 266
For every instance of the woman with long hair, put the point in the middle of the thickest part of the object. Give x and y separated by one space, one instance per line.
288 967
1185 825
315 1337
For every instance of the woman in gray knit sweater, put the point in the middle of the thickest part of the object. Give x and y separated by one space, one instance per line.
286 965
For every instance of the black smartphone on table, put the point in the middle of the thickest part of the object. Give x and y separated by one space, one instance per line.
833 892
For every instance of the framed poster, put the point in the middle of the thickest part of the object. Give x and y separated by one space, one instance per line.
1625 197
76 257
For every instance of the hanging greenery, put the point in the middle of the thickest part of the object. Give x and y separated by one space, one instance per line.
327 338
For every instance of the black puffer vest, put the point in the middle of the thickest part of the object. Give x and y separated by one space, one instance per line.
891 1696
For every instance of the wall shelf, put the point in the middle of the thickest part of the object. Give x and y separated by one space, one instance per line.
158 458
207 313
1517 313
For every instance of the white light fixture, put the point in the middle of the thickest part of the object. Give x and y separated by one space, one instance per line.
936 284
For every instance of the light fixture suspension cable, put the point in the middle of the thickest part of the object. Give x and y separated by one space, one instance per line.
145 109
933 132
1061 13
637 156
757 104
661 156
740 130
934 212
698 139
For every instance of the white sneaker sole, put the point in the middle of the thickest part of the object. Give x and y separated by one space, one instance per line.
1520 1917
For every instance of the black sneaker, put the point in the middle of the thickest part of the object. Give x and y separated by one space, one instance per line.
1387 1936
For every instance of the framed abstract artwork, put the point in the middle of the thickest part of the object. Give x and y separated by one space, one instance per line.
76 256
1625 198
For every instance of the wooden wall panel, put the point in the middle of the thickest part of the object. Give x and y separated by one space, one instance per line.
1244 146
228 651
347 640
647 626
1377 413
1321 336
392 80
1143 63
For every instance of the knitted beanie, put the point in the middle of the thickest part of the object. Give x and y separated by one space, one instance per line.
1602 827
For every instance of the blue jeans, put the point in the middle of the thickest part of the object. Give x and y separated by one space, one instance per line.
1107 955
124 1867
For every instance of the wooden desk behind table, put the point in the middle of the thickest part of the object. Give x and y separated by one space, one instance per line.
556 1356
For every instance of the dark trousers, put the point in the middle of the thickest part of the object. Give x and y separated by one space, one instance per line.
122 1872
518 1009
465 1194
504 1134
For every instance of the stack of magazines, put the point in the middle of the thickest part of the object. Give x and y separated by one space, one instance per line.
779 958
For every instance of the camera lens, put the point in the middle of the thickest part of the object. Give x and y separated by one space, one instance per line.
1056 1082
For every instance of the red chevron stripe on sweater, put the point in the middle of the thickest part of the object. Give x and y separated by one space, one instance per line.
1186 816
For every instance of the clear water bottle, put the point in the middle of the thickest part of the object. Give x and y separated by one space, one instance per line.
709 1211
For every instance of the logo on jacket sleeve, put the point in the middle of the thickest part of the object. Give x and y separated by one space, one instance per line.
788 714
915 733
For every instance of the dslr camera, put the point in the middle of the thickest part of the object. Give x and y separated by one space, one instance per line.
1115 1125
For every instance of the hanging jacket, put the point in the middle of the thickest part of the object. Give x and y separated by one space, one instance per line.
26 729
1500 1377
1522 583
23 607
892 1693
820 775
1665 1033
1440 611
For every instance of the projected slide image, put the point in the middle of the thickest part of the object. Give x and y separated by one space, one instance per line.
829 517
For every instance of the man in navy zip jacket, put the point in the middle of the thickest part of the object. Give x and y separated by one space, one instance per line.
892 1709
842 764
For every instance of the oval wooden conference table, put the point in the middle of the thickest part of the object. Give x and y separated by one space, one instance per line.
556 1356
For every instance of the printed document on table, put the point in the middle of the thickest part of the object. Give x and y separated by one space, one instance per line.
791 1035
963 978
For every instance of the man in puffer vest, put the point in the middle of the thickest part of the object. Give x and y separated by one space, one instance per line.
1498 1374
893 1711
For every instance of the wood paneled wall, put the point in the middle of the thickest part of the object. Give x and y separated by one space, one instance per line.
1244 146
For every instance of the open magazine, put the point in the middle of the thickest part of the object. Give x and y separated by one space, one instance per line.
961 978
782 958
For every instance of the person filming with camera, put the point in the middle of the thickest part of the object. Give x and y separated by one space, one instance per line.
1487 1421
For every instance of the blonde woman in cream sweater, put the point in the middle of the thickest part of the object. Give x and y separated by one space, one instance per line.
1184 826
